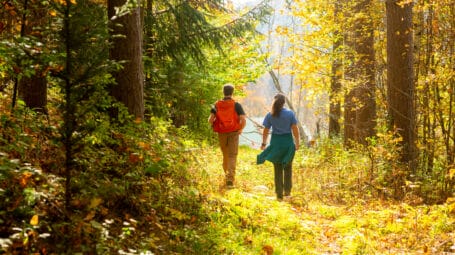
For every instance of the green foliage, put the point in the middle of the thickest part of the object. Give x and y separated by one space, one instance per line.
181 208
247 220
202 86
153 186
184 30
24 145
115 202
368 171
19 55
192 50
240 223
82 78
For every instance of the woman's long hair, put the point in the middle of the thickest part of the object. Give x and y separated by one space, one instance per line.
278 104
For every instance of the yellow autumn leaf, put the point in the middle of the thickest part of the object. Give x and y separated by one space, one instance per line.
144 145
95 202
451 208
34 220
267 249
178 214
90 216
451 173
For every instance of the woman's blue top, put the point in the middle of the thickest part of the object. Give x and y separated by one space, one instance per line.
282 148
282 124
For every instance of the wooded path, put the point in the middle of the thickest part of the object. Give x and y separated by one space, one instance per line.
249 220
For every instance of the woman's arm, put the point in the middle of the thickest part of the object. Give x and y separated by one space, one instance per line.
265 135
295 133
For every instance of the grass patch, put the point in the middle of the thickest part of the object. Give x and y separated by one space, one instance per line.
328 213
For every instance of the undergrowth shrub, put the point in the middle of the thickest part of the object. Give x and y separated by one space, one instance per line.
333 173
330 172
131 189
336 174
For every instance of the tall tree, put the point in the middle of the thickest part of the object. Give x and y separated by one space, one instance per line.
424 44
126 36
435 97
400 75
33 90
335 82
188 47
82 75
24 21
360 104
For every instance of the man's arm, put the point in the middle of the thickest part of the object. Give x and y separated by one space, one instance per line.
242 122
211 118
242 116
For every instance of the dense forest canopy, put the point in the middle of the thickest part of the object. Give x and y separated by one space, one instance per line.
103 104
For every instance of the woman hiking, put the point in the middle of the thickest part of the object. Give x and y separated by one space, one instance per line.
284 142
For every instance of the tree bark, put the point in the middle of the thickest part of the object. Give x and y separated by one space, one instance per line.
424 68
335 86
276 83
360 102
33 90
366 92
126 37
400 77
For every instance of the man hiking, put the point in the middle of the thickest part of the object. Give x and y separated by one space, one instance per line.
228 120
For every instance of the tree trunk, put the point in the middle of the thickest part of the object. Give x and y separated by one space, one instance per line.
127 47
360 102
33 90
276 82
366 92
400 76
335 86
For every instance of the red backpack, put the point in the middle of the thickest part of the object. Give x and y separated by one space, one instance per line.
227 119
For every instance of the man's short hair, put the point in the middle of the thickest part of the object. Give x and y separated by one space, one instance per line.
228 89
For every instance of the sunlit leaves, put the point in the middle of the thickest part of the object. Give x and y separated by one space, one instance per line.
25 179
309 46
243 221
65 2
267 249
53 13
34 220
451 173
95 202
404 2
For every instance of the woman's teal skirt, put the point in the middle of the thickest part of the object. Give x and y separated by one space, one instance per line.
281 150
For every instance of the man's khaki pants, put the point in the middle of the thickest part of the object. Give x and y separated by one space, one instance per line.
229 143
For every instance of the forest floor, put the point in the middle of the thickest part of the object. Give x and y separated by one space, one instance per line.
321 216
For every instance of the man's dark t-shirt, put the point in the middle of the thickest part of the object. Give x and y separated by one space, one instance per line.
238 108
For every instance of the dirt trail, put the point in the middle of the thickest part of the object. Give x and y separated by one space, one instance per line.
309 223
